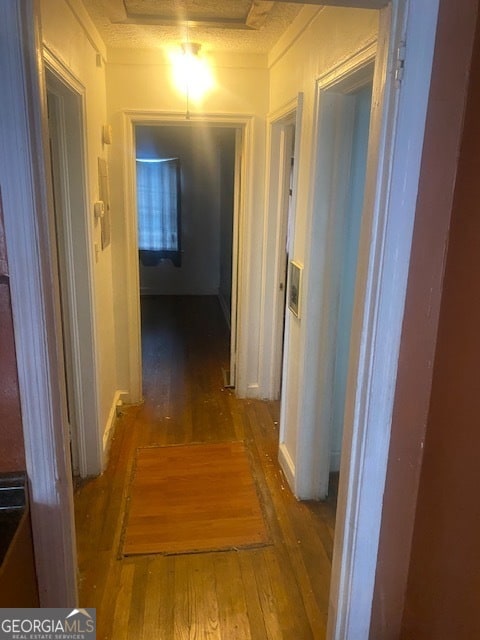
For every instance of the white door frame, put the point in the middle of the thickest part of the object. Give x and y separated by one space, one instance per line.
28 223
274 276
29 233
239 277
334 112
77 240
397 130
239 171
393 169
306 473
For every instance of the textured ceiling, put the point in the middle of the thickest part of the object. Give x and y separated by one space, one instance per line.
206 9
244 26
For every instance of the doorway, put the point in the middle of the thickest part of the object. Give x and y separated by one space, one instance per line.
353 126
61 196
72 239
337 191
284 136
185 179
210 157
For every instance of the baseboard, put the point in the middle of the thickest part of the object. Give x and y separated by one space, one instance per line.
286 463
123 398
253 390
126 398
110 426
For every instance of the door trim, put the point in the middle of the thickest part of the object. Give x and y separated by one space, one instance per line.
241 270
27 207
392 180
239 171
305 471
78 242
271 364
334 130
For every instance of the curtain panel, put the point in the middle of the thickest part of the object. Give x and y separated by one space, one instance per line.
158 205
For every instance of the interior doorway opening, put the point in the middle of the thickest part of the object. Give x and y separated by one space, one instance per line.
284 137
343 116
354 124
206 205
286 185
74 270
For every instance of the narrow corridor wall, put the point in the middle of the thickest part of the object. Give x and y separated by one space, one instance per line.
72 40
328 38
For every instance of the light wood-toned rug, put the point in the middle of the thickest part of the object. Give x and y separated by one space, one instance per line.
190 498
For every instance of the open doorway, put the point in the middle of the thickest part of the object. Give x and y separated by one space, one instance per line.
354 124
73 246
284 182
343 119
284 136
187 204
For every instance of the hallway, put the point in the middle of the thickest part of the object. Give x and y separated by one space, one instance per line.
277 591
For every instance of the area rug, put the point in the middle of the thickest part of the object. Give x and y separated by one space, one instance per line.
192 498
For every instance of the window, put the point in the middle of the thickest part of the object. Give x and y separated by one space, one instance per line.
158 204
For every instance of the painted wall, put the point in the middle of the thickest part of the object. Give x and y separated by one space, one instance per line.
327 37
444 578
201 150
70 36
449 84
139 82
12 452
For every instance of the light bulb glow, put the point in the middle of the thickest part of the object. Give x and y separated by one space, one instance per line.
192 75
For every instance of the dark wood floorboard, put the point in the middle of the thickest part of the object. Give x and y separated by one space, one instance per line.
270 593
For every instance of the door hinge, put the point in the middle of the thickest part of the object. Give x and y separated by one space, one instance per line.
400 62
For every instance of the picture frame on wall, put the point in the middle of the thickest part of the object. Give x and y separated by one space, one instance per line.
295 287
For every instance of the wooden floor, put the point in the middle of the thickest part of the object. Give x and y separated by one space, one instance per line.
186 498
275 592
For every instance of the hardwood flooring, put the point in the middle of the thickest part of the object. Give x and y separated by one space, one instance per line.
193 497
270 593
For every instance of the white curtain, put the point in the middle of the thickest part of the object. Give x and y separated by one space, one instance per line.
158 204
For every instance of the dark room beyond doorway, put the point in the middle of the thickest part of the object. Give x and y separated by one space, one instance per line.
206 160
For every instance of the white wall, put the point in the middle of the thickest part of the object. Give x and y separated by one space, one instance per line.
139 82
200 150
327 37
71 38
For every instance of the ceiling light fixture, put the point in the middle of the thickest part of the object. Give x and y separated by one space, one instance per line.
192 74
